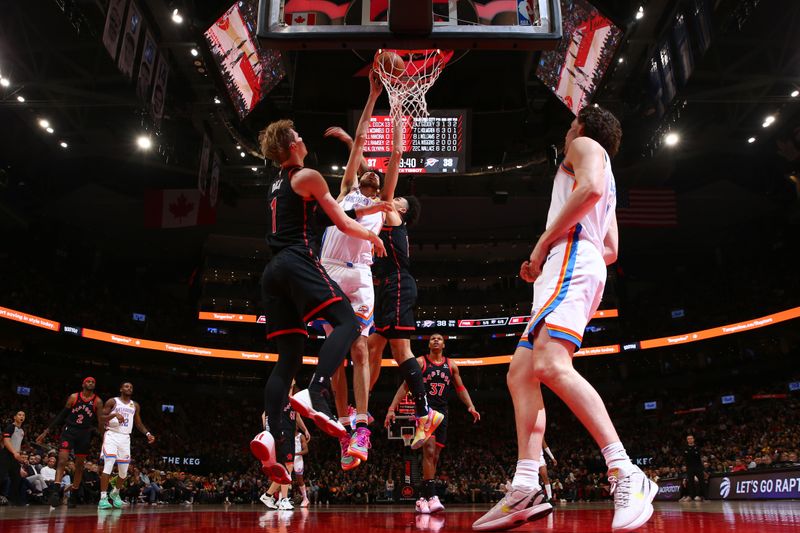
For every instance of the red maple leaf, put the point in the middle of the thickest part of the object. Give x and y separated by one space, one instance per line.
300 19
181 207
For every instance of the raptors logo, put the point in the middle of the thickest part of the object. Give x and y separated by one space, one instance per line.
65 444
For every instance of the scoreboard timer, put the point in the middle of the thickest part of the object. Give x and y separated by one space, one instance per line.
433 145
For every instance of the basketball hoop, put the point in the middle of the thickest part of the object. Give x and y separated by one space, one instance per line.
408 79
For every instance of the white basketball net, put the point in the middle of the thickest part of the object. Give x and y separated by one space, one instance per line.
407 89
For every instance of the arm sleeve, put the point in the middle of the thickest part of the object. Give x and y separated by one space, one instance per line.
59 420
323 220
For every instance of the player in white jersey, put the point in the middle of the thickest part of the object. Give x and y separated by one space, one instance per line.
300 451
348 262
121 414
568 269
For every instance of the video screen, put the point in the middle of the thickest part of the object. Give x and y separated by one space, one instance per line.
650 406
167 408
139 317
729 399
23 391
249 71
574 70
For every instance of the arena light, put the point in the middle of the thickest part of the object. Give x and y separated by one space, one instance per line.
795 93
194 52
63 144
242 154
177 18
671 139
621 60
49 130
751 140
5 82
44 123
21 99
254 169
217 100
640 13
334 167
144 142
768 121
490 167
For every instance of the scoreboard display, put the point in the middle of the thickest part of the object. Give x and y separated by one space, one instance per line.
433 145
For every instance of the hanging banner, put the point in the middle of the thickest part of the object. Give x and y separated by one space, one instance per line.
213 188
114 21
147 65
160 89
202 174
130 41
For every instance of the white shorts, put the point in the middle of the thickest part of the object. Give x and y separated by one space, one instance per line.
568 292
355 280
116 446
298 464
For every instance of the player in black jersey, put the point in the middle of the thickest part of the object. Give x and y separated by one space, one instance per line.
76 420
296 288
440 375
395 296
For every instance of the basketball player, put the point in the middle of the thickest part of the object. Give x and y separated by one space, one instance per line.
288 425
348 261
440 375
396 295
545 481
75 422
568 269
296 288
300 450
121 414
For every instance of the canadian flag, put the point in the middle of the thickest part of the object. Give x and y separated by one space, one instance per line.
177 208
300 18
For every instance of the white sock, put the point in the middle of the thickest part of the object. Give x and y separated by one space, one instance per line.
103 495
345 421
527 474
548 489
361 418
616 457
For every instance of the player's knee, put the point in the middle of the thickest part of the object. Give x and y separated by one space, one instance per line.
360 352
545 368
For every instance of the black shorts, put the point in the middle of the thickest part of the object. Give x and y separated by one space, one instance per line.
295 288
76 440
284 448
441 431
395 298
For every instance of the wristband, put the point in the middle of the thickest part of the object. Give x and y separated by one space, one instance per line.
461 388
548 452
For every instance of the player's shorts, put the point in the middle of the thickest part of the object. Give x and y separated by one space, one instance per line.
355 280
284 448
396 295
296 288
568 291
116 446
77 440
441 431
298 465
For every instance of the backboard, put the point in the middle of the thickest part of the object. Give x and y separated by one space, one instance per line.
363 24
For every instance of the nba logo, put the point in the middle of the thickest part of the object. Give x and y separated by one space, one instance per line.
525 12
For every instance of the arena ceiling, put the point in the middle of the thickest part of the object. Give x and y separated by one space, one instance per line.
52 53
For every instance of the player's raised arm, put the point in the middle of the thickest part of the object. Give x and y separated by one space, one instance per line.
393 170
462 392
309 182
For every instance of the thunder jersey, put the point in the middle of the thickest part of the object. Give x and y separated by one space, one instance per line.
292 217
594 225
438 382
81 415
395 240
338 246
127 410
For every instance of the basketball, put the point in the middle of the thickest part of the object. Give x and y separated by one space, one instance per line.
390 63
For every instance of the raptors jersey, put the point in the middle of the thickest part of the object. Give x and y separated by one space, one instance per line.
292 216
339 247
81 415
594 225
127 410
438 382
